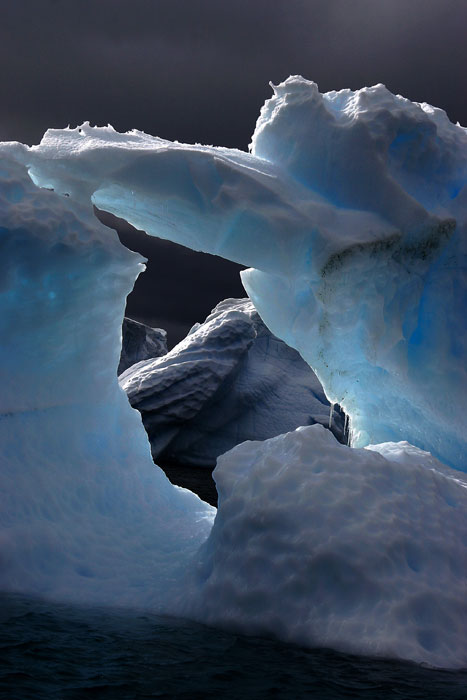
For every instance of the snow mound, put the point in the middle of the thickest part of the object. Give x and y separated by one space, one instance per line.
324 545
228 381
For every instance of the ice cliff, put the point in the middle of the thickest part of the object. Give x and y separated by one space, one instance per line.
228 381
351 208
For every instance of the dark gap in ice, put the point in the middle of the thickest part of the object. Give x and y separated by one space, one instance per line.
179 287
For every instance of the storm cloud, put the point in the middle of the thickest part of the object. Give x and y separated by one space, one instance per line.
199 71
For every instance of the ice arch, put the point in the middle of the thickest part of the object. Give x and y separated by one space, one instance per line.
350 209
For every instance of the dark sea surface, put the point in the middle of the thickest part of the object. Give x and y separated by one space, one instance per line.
50 651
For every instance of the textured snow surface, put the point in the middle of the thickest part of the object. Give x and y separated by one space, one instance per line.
228 381
322 544
140 342
84 513
352 208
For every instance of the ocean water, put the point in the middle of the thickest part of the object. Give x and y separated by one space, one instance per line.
50 651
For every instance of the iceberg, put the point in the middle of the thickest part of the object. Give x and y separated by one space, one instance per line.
350 210
228 381
350 207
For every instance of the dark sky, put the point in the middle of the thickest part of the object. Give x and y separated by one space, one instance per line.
198 71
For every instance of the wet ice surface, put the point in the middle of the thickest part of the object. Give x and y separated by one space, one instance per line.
57 651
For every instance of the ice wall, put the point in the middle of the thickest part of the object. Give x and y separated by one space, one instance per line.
390 312
84 514
350 207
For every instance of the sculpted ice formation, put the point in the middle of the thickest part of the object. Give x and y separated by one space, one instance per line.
351 207
374 560
228 381
84 514
140 342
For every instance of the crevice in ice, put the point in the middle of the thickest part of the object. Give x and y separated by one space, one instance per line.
346 429
331 409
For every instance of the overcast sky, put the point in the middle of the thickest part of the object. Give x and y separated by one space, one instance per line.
198 71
